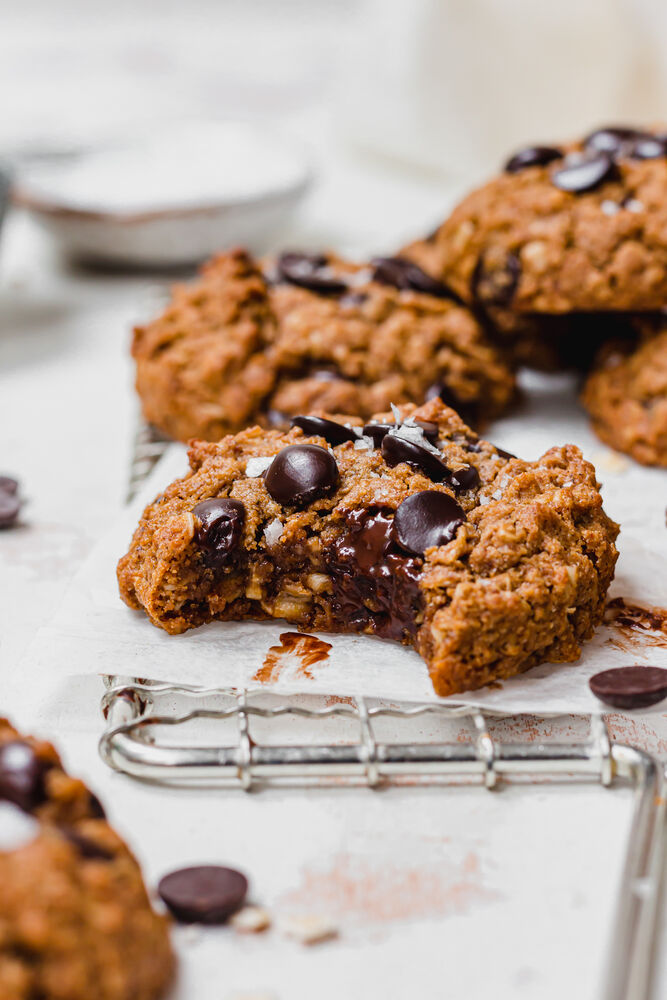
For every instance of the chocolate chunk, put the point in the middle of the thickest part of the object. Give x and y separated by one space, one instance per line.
306 271
532 156
378 431
630 687
86 847
96 807
9 485
646 147
331 431
464 479
219 527
22 775
300 474
10 505
495 277
402 273
397 449
375 584
503 453
585 175
610 139
205 894
426 519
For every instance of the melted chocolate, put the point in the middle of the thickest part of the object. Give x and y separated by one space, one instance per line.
376 585
219 528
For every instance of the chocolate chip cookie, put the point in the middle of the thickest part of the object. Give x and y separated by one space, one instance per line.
251 343
75 920
626 397
573 228
408 526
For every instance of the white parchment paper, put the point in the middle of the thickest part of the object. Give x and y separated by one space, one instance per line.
94 632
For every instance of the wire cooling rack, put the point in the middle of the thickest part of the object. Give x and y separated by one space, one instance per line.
175 734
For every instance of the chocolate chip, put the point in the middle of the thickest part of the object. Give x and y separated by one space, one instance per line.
646 147
495 277
305 270
22 775
403 274
532 156
610 139
586 174
10 506
378 431
331 431
301 473
96 807
465 479
426 519
630 687
86 847
503 453
9 485
205 894
219 527
397 449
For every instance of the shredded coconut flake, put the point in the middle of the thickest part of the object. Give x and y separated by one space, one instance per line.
610 207
415 434
256 466
364 443
273 531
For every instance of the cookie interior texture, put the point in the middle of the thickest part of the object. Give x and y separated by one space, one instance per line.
417 530
75 919
251 342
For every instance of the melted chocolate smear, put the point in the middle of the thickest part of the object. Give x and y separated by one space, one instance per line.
403 274
306 649
332 432
396 450
22 775
300 474
634 618
426 519
532 156
585 175
86 847
376 585
219 528
630 687
305 271
495 277
205 894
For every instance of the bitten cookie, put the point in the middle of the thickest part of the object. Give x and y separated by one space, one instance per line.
563 229
626 397
250 344
75 920
409 527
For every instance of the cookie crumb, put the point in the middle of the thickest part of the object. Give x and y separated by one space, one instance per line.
310 929
251 920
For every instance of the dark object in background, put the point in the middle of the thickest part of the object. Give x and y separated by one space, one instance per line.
10 501
4 193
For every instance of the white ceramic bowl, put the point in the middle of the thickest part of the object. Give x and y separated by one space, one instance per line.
172 199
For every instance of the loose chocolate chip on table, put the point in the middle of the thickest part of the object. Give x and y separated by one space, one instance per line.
585 175
10 505
397 449
495 277
403 274
9 485
22 775
219 526
206 894
426 519
301 473
331 431
610 139
630 687
532 156
305 270
86 847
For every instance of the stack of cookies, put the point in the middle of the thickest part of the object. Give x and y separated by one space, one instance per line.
565 253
